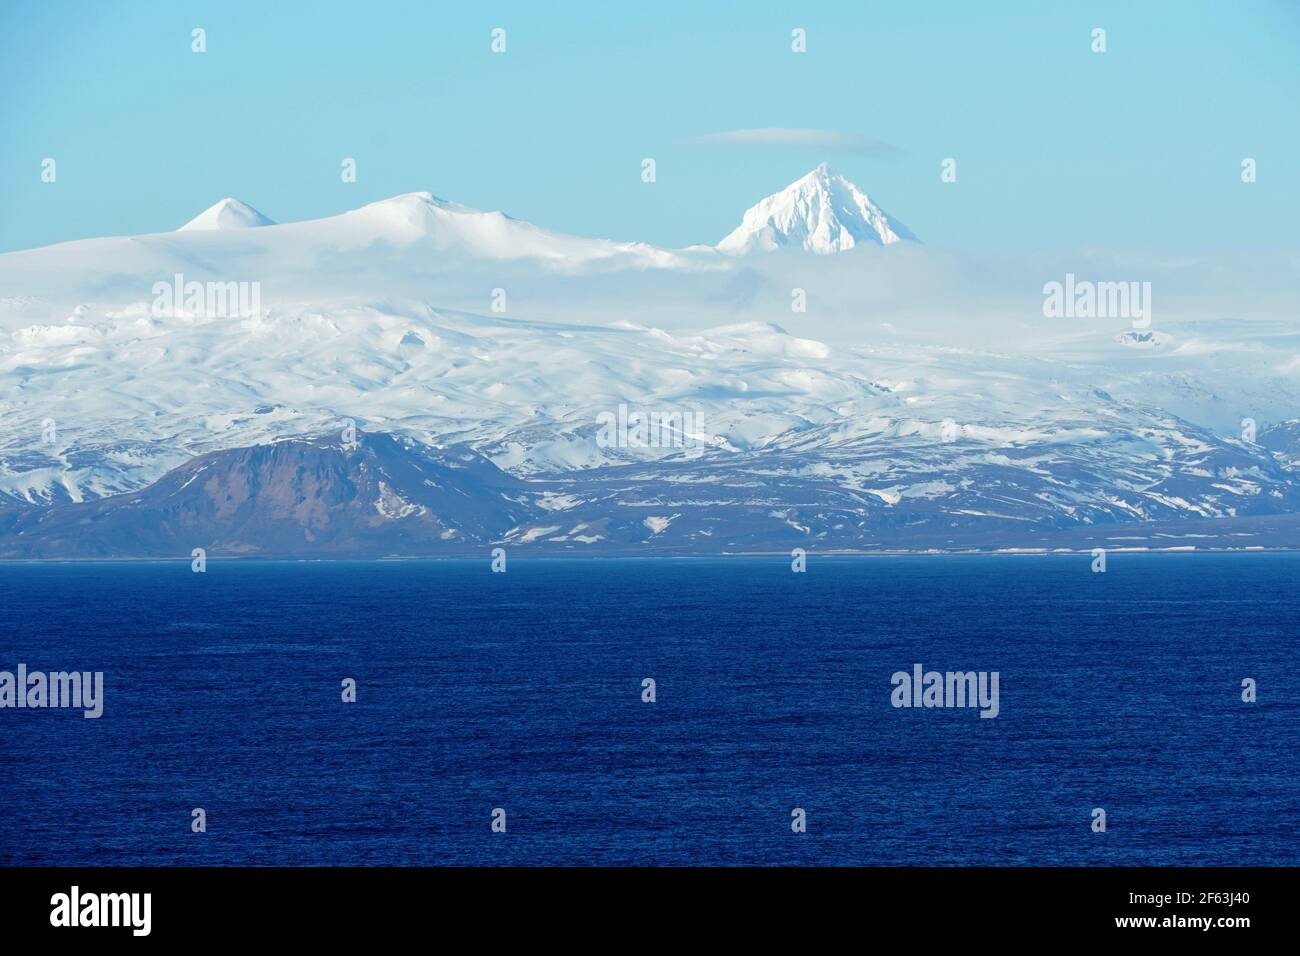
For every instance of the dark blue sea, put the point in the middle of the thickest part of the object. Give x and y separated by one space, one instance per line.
523 691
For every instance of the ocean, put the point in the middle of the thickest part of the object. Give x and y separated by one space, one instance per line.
523 692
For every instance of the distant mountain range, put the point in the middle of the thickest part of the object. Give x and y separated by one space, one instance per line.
141 420
380 496
821 212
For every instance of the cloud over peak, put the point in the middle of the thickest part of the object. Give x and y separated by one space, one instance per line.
826 139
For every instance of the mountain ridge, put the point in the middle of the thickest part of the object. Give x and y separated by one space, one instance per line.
836 215
378 495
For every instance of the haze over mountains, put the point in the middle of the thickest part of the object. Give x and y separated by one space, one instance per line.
479 358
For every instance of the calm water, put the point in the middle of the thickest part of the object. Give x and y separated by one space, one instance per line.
523 691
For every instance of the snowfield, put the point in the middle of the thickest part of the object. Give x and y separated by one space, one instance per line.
362 322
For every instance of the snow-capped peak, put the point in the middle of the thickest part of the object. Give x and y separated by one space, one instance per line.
227 214
822 212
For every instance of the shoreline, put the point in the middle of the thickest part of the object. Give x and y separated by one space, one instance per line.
889 553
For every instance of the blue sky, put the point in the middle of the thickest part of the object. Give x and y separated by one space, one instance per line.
1057 148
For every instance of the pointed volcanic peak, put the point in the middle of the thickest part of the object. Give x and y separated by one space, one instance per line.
822 212
227 214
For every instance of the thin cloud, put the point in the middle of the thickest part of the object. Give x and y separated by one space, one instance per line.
828 139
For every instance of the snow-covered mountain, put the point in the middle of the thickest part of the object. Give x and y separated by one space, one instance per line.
455 229
881 439
227 214
381 248
821 212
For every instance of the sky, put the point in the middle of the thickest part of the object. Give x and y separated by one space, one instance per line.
1057 147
